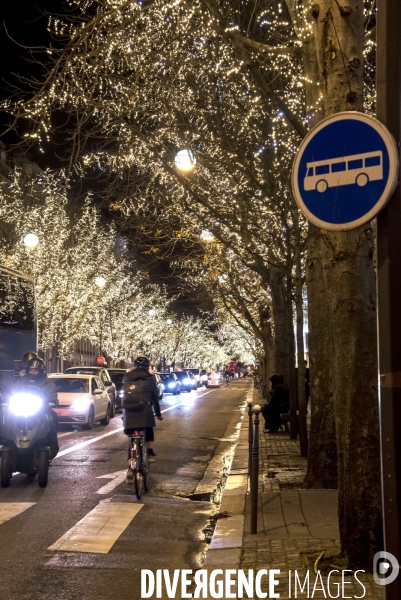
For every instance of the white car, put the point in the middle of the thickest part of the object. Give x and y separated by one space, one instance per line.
82 399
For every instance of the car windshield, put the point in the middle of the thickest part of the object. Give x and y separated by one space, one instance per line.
116 377
182 375
166 377
194 371
71 385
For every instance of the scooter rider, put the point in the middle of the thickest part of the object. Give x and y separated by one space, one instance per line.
35 380
24 362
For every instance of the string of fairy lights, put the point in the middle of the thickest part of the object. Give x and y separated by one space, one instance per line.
150 79
85 285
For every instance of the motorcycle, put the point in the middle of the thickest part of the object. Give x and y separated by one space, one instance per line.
26 425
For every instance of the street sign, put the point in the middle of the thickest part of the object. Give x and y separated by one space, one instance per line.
345 171
257 361
100 360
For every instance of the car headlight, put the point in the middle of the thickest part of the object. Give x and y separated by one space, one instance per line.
171 385
186 381
25 405
81 403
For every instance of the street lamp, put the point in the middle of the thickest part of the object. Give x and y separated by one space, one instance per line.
169 321
100 282
184 160
152 312
31 240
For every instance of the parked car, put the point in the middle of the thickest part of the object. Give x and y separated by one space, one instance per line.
187 380
103 375
170 382
82 399
116 375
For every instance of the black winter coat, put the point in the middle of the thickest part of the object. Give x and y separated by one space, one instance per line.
144 417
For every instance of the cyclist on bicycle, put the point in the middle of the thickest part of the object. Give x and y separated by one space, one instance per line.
140 405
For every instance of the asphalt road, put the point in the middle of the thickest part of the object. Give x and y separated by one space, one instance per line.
165 529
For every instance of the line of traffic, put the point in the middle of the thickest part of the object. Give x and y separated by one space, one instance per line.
109 433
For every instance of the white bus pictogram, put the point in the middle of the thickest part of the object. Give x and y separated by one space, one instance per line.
356 169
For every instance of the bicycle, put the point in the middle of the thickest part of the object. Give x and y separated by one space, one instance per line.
139 462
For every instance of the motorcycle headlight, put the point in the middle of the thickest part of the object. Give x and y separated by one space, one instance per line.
81 403
121 393
25 405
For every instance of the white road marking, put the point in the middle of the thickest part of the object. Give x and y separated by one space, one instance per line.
98 531
116 478
100 437
8 510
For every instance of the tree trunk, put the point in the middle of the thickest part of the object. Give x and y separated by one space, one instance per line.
303 434
54 359
322 460
347 267
284 349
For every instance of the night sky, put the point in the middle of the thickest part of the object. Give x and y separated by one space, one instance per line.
26 23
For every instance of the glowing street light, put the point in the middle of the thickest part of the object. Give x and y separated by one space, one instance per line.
184 160
207 236
169 321
152 312
31 240
100 282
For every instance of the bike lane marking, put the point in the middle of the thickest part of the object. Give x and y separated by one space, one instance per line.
116 478
98 531
104 435
8 510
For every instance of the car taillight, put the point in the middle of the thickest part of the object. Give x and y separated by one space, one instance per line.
133 453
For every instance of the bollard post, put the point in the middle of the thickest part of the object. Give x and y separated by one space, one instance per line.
250 439
255 472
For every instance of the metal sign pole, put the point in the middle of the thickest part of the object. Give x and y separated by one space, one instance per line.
389 286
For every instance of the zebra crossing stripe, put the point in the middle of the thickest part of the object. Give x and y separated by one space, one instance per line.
8 510
98 531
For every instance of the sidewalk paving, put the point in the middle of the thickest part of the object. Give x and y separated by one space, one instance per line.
294 525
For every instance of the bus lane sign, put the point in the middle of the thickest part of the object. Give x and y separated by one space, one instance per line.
345 171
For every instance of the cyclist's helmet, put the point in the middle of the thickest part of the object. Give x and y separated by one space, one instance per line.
26 357
35 363
142 363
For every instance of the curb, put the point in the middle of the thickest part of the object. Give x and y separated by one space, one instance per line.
226 545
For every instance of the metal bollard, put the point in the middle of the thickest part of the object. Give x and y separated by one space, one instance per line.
250 438
255 472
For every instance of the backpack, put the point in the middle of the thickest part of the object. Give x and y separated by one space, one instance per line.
134 395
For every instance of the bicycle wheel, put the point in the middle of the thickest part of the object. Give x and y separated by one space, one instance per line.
145 469
138 477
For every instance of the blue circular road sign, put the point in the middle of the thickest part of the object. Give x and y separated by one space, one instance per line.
345 170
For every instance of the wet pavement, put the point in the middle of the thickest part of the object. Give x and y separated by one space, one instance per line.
194 443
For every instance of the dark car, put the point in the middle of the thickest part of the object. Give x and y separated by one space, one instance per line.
116 376
171 383
187 380
104 377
